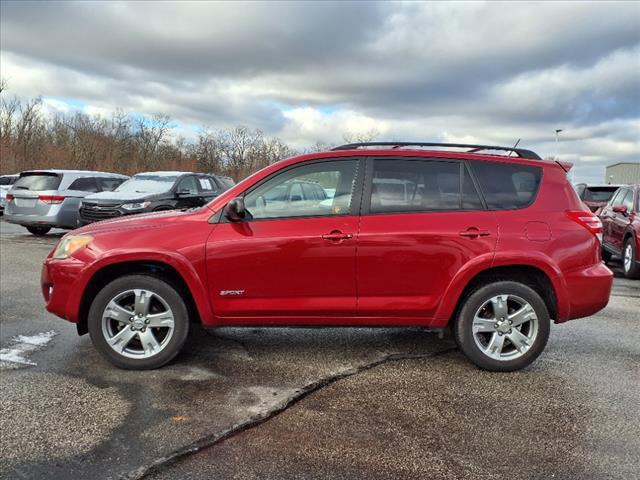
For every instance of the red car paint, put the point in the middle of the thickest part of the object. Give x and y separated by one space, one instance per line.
375 269
620 225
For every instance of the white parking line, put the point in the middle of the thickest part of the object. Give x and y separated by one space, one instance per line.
22 346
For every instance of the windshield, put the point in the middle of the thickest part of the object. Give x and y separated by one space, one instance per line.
599 194
147 184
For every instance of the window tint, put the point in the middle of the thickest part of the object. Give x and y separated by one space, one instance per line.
617 198
598 194
7 180
470 198
507 186
420 185
188 183
84 184
628 200
110 184
284 194
38 181
580 190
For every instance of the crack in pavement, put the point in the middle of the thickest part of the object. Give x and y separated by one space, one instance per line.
256 420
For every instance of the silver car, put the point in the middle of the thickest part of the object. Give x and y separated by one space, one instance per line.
5 184
43 199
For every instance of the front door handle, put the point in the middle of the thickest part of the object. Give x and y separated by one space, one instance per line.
337 236
473 232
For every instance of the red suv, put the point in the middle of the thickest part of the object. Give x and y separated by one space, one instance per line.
621 229
403 234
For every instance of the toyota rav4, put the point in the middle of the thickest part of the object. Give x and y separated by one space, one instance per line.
493 245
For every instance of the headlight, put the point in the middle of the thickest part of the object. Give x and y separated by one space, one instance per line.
71 244
136 206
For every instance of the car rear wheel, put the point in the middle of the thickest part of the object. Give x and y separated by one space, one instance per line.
39 230
138 322
630 259
503 326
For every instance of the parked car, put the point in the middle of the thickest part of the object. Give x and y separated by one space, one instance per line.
152 192
494 246
5 184
621 229
595 196
43 199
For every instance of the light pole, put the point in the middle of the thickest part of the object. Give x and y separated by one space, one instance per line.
558 130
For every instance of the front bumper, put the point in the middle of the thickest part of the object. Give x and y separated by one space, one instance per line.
60 283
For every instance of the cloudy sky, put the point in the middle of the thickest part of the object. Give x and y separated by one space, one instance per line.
475 72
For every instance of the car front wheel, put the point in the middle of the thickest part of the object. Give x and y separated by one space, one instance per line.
138 322
630 259
503 326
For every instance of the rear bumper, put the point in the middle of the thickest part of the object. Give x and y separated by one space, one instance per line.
33 220
587 290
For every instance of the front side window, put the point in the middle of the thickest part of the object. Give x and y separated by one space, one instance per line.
618 198
110 184
628 201
302 191
421 185
507 186
188 184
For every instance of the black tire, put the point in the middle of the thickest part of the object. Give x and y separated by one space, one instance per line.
631 270
39 231
606 256
172 297
463 326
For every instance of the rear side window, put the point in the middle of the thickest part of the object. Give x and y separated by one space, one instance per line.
38 181
7 180
110 184
507 186
421 185
207 184
85 184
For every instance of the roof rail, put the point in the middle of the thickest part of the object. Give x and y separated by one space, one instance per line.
522 153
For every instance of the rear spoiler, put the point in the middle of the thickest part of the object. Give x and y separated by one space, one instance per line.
566 166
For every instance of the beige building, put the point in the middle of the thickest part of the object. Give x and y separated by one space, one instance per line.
623 172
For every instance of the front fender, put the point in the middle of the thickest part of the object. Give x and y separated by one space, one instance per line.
184 267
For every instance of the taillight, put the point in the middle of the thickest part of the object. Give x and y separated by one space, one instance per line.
9 197
51 199
588 220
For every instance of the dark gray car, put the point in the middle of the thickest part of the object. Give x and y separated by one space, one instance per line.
43 199
153 192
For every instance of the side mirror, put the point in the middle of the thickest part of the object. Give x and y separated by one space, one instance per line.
183 193
620 209
235 210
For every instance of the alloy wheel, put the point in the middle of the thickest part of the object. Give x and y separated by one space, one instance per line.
138 323
628 257
505 327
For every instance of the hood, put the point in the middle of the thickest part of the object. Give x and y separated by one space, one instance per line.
123 197
140 221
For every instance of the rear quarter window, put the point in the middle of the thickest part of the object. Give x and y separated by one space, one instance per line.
507 186
38 181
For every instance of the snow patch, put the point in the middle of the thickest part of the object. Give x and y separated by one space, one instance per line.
22 346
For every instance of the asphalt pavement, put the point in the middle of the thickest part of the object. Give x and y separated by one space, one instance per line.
311 403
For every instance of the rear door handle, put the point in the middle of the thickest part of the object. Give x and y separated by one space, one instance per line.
337 236
473 232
